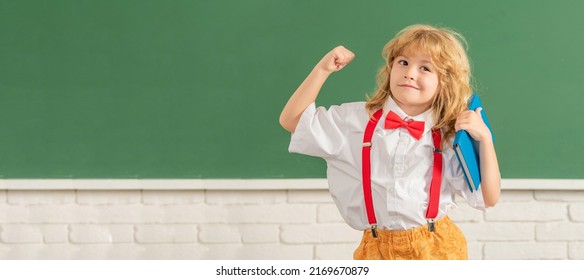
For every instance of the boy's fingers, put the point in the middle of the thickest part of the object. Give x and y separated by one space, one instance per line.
478 110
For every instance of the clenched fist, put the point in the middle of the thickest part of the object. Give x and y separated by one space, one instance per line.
336 59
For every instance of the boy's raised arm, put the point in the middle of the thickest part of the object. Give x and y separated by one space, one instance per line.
307 92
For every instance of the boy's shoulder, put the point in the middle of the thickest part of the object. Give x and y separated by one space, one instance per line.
355 116
350 110
352 113
357 107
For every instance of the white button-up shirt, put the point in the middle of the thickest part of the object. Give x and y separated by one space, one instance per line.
401 166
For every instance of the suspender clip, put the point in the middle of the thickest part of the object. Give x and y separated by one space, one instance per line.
431 226
374 230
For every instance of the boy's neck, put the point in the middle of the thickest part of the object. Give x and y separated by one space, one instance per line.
412 111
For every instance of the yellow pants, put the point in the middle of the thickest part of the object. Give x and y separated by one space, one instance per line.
446 243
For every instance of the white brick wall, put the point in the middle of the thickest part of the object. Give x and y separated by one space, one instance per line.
267 224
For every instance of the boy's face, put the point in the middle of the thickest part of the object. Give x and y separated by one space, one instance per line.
413 82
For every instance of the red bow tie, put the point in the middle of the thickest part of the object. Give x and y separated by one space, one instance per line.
415 128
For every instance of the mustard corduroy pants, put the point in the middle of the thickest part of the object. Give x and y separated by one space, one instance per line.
446 243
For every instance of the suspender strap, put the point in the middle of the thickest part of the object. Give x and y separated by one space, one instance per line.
366 169
434 195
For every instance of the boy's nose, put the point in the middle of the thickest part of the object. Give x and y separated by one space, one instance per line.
410 74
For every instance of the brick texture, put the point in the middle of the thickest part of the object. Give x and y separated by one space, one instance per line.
254 224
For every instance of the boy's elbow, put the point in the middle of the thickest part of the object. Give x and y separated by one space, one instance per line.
492 198
491 190
289 124
491 202
285 123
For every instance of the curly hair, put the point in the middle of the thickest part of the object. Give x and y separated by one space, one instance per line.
447 49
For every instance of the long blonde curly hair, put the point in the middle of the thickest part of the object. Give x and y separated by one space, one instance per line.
447 49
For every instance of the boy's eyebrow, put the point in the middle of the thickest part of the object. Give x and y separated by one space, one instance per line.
422 60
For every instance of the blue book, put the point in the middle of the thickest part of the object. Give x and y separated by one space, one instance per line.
467 150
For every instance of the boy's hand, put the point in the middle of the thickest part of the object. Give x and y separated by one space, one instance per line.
472 122
336 59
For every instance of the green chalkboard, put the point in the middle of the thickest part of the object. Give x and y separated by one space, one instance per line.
194 89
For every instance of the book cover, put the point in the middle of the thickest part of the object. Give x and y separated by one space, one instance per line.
466 148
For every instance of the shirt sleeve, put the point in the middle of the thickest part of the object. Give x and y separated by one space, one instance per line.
454 177
319 132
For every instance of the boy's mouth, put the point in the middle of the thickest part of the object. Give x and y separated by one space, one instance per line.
409 86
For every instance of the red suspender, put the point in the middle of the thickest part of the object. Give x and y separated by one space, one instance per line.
434 196
366 169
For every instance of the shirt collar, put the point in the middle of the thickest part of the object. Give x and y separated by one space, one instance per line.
426 116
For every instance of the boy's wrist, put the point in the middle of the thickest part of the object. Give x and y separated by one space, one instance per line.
487 139
321 71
